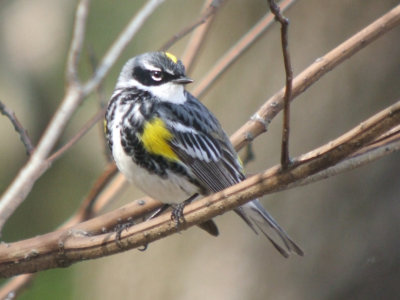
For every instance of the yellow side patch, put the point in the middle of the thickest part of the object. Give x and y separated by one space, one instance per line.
105 125
241 164
171 57
155 139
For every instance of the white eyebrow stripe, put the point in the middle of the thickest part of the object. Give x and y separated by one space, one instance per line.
169 71
151 67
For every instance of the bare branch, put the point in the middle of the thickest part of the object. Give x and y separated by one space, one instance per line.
390 21
61 248
211 10
14 286
120 44
260 120
97 117
236 51
196 40
37 164
363 156
23 134
77 42
88 208
285 159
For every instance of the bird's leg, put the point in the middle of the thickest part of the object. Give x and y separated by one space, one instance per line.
119 228
158 211
177 211
122 226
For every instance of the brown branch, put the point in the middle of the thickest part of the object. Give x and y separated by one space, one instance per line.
77 42
260 120
196 40
88 208
212 9
16 193
62 248
89 124
236 51
102 100
23 134
15 286
285 159
380 147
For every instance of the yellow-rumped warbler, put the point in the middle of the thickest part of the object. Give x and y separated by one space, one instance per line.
171 146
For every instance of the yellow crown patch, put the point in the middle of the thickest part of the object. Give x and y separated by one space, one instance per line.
171 57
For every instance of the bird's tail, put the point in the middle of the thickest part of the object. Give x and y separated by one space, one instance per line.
254 214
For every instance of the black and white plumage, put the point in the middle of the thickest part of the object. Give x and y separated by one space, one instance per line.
171 146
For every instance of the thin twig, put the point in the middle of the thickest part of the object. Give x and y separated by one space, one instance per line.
120 44
15 286
211 10
196 40
285 159
23 134
89 124
236 51
77 42
89 206
364 156
101 100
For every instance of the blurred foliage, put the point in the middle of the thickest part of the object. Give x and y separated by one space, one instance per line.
347 225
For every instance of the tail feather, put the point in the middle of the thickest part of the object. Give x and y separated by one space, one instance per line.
254 214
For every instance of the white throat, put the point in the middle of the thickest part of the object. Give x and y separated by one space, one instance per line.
168 92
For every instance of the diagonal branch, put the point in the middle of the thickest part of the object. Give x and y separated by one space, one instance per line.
23 134
62 248
260 120
37 164
89 124
210 11
77 42
120 44
22 184
236 51
196 40
305 79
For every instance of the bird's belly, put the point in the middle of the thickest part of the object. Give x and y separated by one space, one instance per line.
173 189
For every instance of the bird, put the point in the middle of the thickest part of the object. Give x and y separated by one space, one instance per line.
168 144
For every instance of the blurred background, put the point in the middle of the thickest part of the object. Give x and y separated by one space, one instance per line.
348 226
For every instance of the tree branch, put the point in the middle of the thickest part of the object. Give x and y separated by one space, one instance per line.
23 134
260 120
285 159
120 44
197 39
236 51
61 248
211 10
77 42
37 164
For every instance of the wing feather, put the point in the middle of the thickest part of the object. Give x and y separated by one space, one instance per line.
203 146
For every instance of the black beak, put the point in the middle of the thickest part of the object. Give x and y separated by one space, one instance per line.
183 80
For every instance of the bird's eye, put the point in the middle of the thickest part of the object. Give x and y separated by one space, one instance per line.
157 75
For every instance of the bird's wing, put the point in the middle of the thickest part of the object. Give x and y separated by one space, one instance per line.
203 146
213 164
